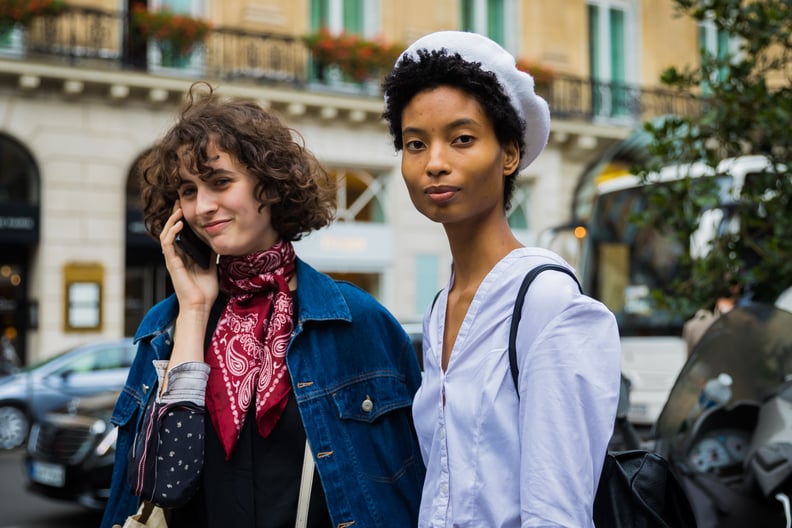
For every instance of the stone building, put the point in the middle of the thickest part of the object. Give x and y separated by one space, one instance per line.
84 92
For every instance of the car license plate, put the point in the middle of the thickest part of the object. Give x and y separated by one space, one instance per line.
49 474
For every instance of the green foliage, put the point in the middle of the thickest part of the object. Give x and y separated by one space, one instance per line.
746 108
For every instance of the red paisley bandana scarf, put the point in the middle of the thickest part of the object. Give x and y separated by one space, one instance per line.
247 354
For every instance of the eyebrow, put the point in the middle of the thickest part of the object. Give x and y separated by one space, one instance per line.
210 174
457 123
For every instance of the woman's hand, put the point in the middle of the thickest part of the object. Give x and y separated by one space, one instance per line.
196 288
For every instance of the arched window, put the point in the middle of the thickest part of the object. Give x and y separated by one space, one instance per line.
19 174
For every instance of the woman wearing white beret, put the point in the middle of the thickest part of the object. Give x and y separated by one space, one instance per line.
467 121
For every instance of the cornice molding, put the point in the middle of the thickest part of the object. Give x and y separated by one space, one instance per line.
125 86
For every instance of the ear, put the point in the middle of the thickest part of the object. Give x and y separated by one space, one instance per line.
511 157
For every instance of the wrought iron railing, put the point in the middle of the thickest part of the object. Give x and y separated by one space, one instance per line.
87 37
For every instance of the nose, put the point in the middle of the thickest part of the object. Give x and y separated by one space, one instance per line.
437 163
205 202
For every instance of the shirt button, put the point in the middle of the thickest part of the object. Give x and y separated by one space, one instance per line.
367 405
444 488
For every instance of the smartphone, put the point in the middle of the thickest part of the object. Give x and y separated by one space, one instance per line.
197 249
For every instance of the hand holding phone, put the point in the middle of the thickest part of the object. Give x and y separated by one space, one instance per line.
194 247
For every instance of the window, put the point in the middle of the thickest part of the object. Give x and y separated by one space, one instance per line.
164 57
357 17
497 19
611 39
360 196
102 358
12 43
351 16
716 43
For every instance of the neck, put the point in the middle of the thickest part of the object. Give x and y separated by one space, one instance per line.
476 249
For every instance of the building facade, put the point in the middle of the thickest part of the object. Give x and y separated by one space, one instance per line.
84 92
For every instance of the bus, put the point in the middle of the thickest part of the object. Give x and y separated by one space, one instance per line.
620 263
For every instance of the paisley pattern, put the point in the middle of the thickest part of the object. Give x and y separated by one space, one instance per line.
247 353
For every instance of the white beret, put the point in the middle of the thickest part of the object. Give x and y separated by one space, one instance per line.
516 84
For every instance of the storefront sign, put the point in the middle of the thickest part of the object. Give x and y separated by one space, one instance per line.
19 224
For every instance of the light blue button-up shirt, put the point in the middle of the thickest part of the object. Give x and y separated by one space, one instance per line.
498 461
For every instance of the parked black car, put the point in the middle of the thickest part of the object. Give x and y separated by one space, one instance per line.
81 371
70 452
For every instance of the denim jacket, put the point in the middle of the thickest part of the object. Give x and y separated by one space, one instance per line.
346 349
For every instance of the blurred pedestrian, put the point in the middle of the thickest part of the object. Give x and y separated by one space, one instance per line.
467 121
9 360
283 352
695 327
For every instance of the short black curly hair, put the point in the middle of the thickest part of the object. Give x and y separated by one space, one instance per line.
439 68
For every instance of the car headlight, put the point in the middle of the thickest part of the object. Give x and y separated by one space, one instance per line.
108 442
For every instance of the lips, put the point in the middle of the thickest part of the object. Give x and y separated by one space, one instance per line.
213 227
441 193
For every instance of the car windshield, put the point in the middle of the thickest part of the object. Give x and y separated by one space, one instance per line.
46 361
108 356
753 344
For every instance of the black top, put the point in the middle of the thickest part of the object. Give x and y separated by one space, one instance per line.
259 486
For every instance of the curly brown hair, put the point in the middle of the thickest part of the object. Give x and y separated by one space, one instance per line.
290 179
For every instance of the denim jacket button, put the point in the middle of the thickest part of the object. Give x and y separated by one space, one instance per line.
367 405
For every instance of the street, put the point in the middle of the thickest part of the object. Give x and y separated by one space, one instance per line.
22 509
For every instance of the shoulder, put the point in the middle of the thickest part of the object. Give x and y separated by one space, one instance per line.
551 288
555 291
368 311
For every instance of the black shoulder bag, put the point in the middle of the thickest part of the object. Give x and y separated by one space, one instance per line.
637 488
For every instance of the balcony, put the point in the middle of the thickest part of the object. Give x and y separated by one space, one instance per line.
90 39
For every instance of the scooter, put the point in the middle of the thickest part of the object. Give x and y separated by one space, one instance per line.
734 459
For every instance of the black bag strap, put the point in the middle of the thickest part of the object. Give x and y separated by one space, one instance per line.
517 315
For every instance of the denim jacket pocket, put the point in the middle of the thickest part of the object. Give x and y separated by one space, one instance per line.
368 399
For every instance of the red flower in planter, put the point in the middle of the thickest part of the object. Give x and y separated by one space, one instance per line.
22 12
180 32
354 56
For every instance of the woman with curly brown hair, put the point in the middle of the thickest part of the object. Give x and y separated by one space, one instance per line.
289 367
